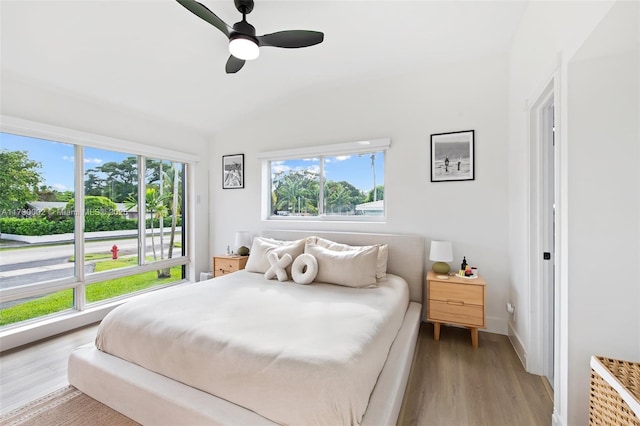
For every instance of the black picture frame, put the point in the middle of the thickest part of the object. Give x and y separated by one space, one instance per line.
453 156
233 171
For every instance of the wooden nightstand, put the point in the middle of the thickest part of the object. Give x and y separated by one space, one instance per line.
223 265
456 300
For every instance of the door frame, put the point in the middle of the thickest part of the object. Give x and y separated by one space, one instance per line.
538 360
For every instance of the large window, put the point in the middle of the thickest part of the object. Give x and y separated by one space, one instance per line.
343 181
81 226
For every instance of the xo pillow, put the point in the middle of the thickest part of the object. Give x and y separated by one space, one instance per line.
351 268
383 253
261 247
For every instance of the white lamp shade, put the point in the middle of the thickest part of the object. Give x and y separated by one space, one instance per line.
243 48
243 238
441 251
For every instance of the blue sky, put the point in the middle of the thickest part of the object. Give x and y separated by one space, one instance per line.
355 169
57 158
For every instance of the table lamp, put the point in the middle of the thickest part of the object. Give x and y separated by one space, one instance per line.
441 252
243 241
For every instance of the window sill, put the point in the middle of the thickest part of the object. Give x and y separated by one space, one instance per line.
328 219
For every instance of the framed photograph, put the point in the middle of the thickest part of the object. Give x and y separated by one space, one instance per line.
452 156
233 171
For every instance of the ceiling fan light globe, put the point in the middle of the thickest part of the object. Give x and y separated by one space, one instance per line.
244 48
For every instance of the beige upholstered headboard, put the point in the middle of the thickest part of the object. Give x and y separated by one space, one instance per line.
406 252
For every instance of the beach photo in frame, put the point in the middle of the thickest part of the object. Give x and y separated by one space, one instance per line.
233 171
452 156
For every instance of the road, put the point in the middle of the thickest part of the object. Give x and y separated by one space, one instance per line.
28 265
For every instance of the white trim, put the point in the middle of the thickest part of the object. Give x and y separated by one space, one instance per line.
536 226
34 129
79 293
367 146
561 360
517 344
332 149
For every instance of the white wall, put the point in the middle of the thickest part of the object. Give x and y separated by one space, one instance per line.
604 200
407 108
30 101
547 39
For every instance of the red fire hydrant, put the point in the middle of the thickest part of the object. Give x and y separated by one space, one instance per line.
114 252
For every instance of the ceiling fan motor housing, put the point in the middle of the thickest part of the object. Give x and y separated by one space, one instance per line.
243 27
244 6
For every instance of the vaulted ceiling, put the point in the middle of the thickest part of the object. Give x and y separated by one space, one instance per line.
155 57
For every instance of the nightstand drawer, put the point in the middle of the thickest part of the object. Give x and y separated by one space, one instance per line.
469 294
455 312
226 265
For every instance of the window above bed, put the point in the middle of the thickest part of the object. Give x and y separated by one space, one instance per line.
330 182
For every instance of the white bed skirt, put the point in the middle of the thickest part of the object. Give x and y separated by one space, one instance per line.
153 399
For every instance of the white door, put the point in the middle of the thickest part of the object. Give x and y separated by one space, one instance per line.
548 234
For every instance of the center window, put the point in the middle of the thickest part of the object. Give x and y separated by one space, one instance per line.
348 184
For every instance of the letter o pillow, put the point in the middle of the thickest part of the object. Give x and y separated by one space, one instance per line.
304 269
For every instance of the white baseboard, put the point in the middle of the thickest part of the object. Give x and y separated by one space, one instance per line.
556 420
518 346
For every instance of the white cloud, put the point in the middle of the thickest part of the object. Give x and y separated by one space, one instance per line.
86 160
60 187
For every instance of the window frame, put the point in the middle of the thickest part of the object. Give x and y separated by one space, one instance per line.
79 281
321 151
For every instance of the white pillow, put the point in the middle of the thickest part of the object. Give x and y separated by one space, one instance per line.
304 269
261 247
383 253
277 266
351 268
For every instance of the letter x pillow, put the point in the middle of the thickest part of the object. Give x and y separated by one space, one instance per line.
277 266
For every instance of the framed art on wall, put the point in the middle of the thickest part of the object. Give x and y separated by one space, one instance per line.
452 156
233 171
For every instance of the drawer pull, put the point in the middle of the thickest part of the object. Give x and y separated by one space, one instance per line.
455 302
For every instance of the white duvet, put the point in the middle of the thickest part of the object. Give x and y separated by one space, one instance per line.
295 354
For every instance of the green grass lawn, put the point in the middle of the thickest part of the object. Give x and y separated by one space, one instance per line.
63 299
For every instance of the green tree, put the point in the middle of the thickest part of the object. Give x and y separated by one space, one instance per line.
19 179
341 197
379 195
155 206
296 191
94 205
65 196
46 193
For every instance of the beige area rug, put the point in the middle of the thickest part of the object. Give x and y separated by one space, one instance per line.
66 406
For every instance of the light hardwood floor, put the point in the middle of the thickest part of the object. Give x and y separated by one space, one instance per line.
454 384
451 384
35 370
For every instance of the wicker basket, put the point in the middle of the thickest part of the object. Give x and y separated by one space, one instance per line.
614 398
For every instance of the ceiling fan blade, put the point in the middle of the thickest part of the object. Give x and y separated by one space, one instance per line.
291 39
202 12
234 64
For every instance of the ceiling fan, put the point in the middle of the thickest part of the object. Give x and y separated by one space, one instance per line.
244 45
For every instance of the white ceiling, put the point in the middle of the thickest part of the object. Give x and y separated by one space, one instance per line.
155 57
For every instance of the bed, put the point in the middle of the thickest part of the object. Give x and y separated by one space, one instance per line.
237 358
